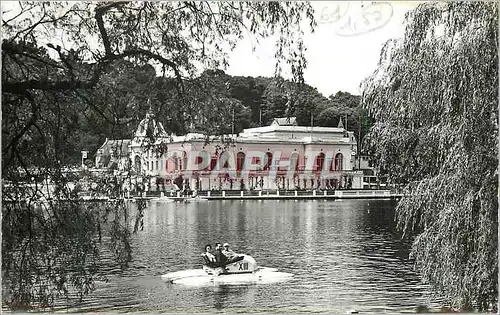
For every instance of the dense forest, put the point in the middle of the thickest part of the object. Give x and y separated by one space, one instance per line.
209 100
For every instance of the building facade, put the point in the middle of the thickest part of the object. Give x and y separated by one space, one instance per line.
282 155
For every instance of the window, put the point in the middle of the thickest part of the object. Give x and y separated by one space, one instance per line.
203 160
294 161
269 160
183 160
240 160
213 162
226 157
338 162
320 160
137 164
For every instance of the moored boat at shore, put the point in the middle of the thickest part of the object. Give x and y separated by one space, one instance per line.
163 199
195 199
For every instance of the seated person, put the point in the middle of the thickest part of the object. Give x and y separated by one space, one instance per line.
210 259
230 255
221 259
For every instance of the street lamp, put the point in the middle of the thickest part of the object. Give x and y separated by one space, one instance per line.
84 156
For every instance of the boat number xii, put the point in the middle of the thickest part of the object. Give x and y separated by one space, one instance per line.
243 266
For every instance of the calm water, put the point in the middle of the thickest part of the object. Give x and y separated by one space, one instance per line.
345 256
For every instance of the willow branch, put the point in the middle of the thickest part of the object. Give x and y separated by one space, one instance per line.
99 13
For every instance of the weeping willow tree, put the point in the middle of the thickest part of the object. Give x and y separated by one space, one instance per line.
56 63
434 98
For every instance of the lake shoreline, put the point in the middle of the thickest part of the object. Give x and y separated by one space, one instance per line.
280 195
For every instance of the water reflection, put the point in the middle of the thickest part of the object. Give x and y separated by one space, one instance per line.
344 255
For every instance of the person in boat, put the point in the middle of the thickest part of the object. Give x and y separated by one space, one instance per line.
230 255
221 259
210 259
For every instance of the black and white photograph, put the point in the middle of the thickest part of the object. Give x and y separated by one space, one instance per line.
250 157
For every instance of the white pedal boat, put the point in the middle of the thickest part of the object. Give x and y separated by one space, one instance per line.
239 272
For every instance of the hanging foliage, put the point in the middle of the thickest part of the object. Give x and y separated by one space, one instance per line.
434 98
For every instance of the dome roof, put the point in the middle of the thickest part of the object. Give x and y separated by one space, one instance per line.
150 128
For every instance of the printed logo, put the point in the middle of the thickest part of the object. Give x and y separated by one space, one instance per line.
354 20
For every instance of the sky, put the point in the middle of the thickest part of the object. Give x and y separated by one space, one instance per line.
337 60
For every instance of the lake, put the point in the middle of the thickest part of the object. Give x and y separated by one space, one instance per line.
344 254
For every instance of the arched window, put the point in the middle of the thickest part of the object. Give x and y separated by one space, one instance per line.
318 163
240 159
213 162
201 160
173 162
269 161
338 162
137 164
183 160
226 157
294 161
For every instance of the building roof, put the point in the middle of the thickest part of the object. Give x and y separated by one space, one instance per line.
149 127
341 124
281 130
117 146
285 121
288 128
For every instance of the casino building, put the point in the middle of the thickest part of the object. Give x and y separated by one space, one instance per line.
282 155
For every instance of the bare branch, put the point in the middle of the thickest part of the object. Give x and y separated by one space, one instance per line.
41 22
23 10
151 55
99 13
10 47
63 59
